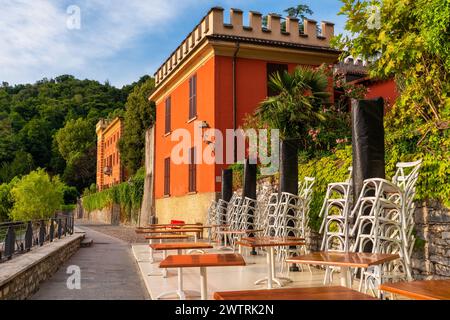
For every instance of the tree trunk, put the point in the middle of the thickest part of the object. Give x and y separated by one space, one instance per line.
148 202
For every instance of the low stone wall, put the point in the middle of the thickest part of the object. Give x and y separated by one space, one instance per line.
20 278
109 215
431 259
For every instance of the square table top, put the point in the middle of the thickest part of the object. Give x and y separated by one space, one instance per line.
180 246
170 225
319 293
344 259
420 290
202 260
271 242
268 237
168 236
237 231
172 231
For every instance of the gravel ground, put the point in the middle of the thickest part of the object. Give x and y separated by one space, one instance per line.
124 233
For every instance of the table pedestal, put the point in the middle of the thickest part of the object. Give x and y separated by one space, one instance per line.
271 272
164 271
203 284
344 277
180 292
225 244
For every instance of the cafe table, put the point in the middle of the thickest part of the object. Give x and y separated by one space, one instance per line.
179 247
344 260
270 243
195 231
420 290
234 232
162 237
203 261
319 293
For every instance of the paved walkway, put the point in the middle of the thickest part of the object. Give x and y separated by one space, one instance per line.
125 233
108 272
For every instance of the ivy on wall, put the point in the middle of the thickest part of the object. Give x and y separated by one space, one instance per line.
128 195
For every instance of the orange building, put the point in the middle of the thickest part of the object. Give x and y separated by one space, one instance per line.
109 168
217 76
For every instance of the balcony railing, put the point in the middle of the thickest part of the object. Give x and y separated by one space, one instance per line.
18 238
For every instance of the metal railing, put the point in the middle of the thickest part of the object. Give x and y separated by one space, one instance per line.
20 237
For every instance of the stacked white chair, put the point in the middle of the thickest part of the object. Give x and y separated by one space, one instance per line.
305 194
384 224
335 224
247 214
211 219
270 216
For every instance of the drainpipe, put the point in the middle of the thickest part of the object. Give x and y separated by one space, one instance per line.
234 99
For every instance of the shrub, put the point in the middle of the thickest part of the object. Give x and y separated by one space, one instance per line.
36 196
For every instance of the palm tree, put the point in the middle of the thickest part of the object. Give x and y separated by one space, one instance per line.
295 109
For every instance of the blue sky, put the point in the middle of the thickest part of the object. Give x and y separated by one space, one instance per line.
118 41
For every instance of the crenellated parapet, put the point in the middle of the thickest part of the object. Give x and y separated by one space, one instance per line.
213 24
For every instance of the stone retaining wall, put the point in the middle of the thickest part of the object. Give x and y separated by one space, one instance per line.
109 215
20 278
431 259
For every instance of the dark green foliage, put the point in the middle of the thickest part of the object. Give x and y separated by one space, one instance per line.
139 116
32 114
299 105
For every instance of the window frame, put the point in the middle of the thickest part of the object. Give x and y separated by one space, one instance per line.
168 115
167 176
192 171
193 97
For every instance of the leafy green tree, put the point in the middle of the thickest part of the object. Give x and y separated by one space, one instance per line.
6 200
21 165
75 139
139 116
36 138
301 11
36 196
77 145
408 40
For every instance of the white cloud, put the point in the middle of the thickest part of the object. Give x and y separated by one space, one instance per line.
35 41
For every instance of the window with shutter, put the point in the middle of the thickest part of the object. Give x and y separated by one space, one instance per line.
168 112
167 176
192 171
193 97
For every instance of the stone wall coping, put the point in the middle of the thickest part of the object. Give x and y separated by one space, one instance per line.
19 264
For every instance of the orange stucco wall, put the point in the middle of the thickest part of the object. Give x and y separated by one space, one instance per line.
179 174
215 106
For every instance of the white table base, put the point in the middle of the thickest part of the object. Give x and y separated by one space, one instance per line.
271 272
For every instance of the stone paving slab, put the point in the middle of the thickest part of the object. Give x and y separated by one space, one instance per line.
108 272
